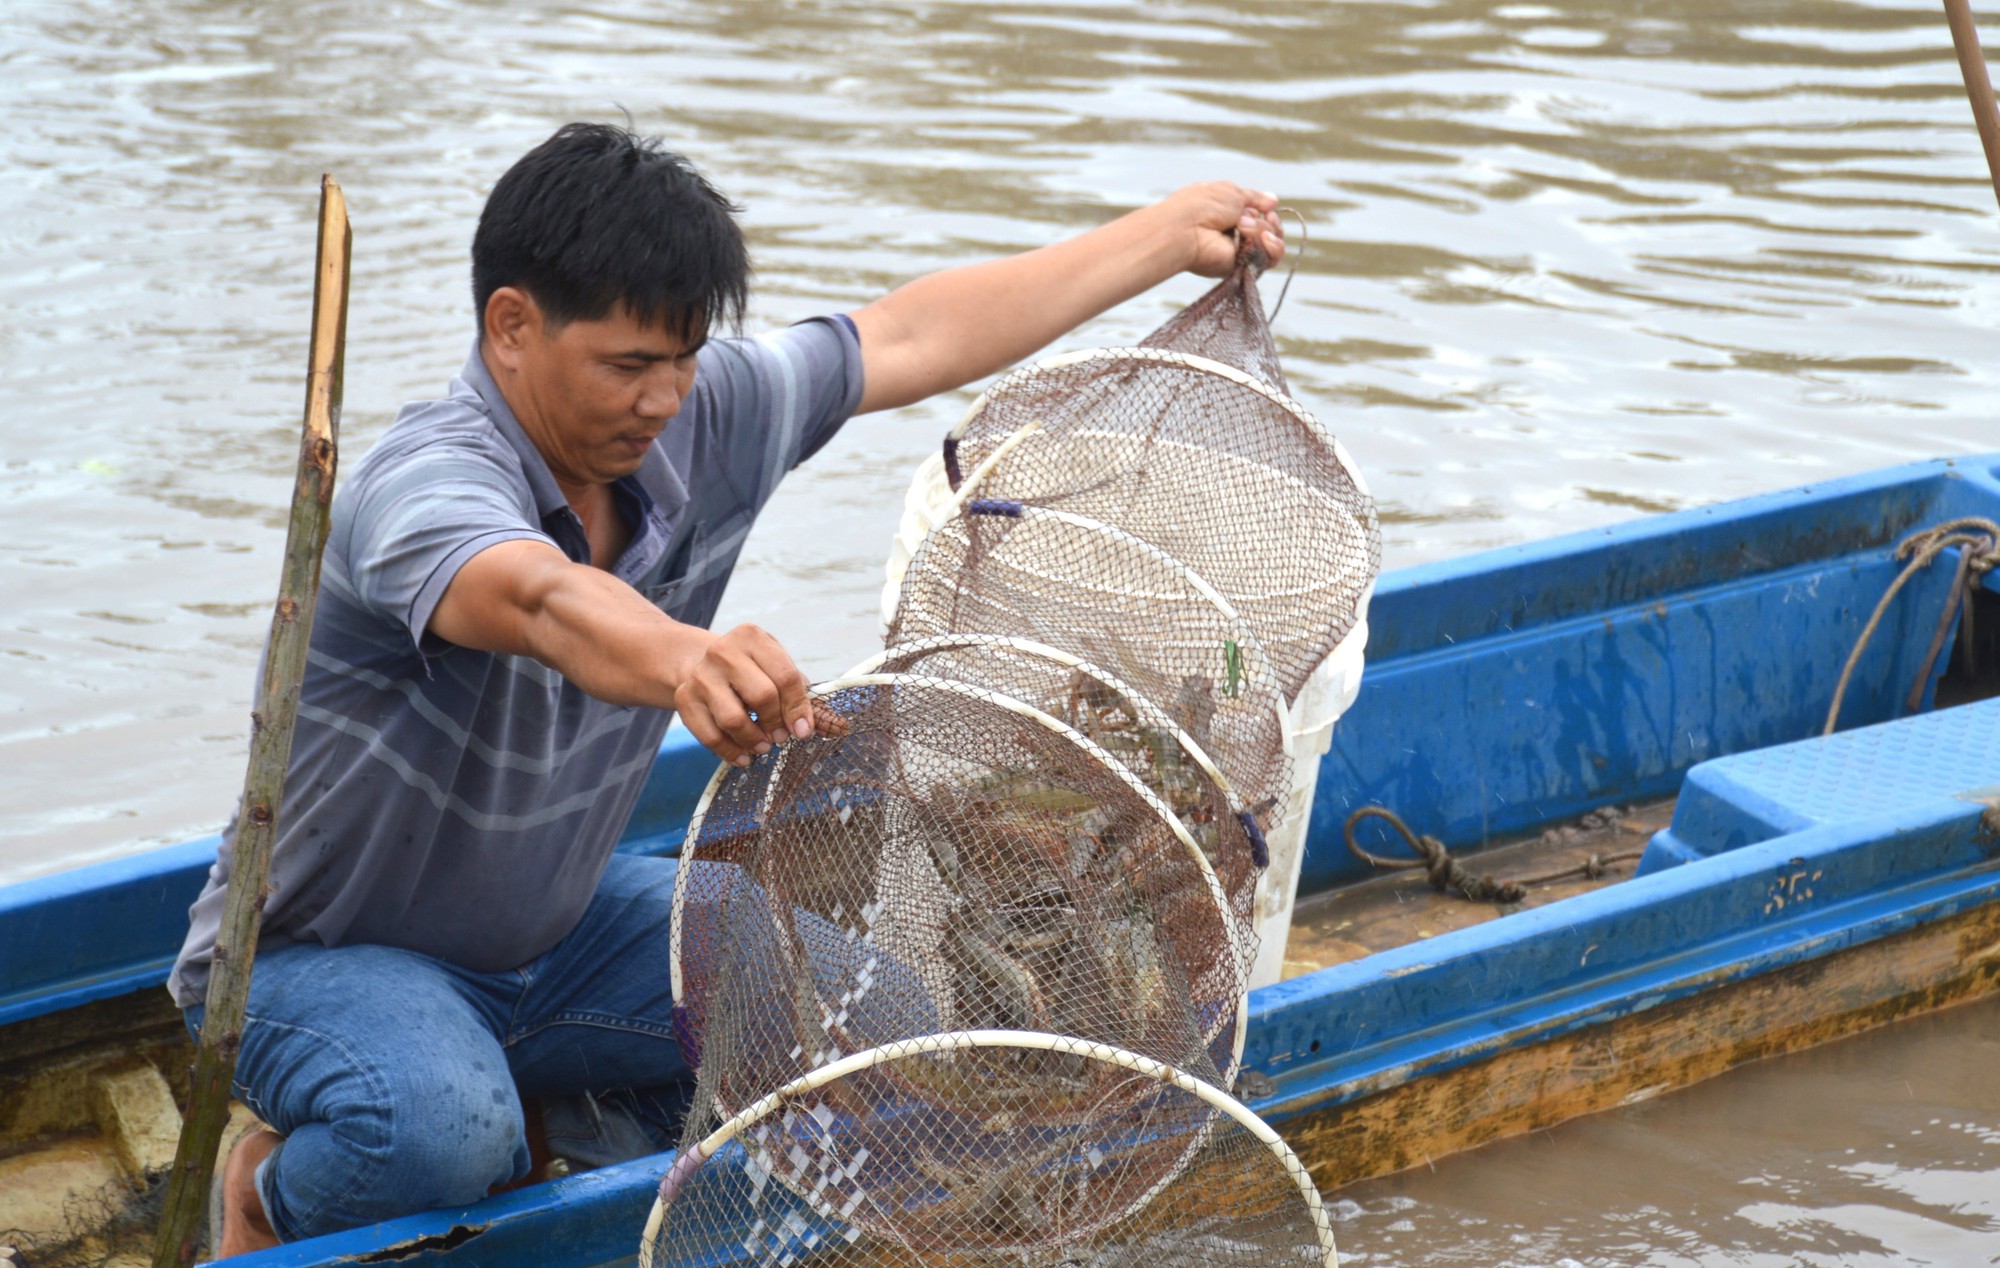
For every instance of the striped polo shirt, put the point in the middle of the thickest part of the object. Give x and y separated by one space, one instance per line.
463 803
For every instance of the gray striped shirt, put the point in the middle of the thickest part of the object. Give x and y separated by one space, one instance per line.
462 803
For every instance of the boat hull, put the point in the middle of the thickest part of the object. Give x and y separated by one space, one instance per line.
1506 693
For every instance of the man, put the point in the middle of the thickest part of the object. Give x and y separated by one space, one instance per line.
514 602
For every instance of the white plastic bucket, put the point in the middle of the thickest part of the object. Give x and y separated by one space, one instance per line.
1326 696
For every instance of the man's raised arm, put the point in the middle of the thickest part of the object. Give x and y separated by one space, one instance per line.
950 328
524 598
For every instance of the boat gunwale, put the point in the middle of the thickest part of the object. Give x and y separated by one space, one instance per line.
1675 552
1953 830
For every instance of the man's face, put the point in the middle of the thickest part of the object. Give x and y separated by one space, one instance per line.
592 395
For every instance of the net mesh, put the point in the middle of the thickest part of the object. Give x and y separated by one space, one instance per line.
1228 476
1121 1162
1105 596
952 860
1227 325
1123 722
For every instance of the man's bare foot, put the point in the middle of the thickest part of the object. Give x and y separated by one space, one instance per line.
244 1226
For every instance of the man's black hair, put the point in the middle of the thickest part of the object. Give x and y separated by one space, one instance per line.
597 216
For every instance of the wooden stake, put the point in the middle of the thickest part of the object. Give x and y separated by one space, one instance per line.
1978 83
270 748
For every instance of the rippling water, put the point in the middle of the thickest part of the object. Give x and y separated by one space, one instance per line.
1882 1151
1568 263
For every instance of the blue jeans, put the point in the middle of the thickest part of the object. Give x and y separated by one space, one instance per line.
392 1075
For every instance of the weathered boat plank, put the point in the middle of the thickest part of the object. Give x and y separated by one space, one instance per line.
1640 1055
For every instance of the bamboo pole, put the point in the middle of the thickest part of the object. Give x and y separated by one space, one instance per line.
1978 83
270 747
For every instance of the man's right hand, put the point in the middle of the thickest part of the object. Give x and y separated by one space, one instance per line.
738 692
731 677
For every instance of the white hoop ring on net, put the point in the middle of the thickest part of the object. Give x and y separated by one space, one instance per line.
1234 935
1156 717
862 678
1239 936
691 1159
1295 616
1326 506
1165 356
1249 646
1129 541
1153 717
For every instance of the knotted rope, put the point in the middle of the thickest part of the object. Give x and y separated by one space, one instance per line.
1593 868
1978 540
1443 871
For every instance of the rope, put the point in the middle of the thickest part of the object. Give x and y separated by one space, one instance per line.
1444 871
1591 869
1979 539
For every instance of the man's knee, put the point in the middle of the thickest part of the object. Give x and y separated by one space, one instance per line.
439 1136
391 1090
455 1134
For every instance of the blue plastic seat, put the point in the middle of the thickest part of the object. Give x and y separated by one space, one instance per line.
1912 763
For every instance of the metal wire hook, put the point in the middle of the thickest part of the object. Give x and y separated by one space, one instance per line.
1296 257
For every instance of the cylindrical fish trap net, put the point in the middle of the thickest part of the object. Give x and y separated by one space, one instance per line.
1119 1160
963 973
1103 595
1124 723
951 859
1217 469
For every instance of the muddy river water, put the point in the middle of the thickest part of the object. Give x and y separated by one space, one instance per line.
1569 263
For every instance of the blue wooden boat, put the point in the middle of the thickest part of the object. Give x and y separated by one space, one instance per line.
1792 889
